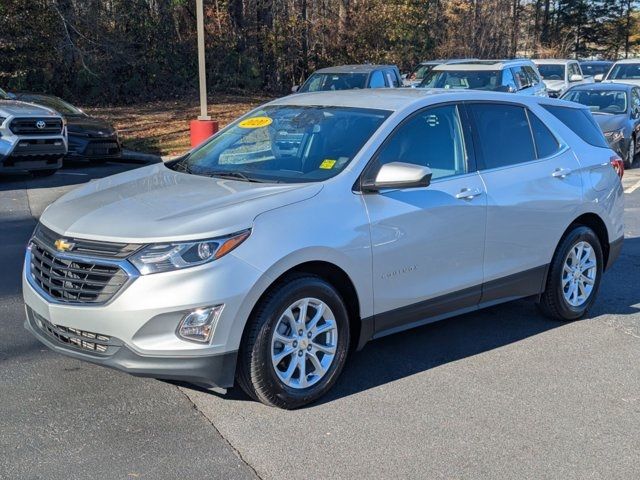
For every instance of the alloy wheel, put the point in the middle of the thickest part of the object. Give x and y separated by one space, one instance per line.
304 343
579 274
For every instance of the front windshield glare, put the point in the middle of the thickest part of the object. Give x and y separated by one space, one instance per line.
600 101
286 144
463 79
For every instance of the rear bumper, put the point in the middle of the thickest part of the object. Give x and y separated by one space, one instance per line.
615 248
205 370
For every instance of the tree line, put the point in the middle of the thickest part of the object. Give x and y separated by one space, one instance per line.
115 51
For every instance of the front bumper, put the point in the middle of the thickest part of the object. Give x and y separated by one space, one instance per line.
32 153
141 322
205 370
81 146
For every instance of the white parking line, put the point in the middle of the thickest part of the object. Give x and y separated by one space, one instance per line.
632 188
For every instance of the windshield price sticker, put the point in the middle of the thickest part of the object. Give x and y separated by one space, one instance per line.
327 164
255 122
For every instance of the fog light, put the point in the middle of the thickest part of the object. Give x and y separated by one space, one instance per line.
198 326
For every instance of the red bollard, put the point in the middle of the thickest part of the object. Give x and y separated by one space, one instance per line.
201 130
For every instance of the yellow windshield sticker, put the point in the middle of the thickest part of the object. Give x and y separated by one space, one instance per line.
327 164
255 122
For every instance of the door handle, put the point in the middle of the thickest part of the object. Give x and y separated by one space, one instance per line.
561 173
468 193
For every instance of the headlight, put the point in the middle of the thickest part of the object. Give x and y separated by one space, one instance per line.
164 257
614 136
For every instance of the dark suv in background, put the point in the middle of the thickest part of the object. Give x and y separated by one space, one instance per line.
90 138
347 77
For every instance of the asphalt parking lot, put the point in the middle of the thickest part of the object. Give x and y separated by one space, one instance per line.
502 393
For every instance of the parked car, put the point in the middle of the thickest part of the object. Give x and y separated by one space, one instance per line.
414 78
513 76
597 69
625 71
616 109
318 222
90 138
560 75
348 77
32 138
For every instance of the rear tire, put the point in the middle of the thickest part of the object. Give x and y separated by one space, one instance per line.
631 155
43 173
295 344
574 276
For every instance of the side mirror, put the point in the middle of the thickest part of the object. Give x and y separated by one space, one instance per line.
295 88
576 78
399 175
404 76
599 77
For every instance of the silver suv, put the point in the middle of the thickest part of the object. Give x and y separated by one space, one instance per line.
318 222
513 76
32 137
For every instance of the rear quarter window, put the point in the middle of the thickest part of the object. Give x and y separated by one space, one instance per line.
580 121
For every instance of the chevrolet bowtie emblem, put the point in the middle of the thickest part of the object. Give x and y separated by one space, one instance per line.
63 246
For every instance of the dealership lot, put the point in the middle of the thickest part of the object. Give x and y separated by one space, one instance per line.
502 393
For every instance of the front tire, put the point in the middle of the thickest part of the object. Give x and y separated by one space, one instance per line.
296 343
574 276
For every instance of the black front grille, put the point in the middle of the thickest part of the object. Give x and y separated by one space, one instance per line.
84 247
72 337
36 126
69 280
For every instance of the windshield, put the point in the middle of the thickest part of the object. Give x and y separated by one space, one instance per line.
600 101
628 71
467 79
3 95
319 82
551 72
420 71
595 68
284 143
55 103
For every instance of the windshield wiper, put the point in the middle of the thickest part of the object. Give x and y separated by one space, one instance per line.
235 176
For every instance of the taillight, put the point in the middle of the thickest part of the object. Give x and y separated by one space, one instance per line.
617 164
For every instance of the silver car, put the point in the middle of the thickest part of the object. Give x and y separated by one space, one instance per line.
321 221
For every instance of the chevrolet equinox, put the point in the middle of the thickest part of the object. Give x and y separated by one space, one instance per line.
318 222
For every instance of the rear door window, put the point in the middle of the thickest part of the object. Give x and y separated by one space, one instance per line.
502 135
580 121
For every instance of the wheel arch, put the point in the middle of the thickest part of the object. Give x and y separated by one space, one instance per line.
339 279
597 224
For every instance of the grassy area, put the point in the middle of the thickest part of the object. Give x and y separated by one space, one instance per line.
163 127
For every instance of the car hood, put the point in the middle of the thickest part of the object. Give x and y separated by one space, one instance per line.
609 123
157 204
22 109
554 84
81 123
635 82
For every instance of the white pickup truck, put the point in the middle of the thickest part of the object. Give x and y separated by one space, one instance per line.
560 75
32 137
